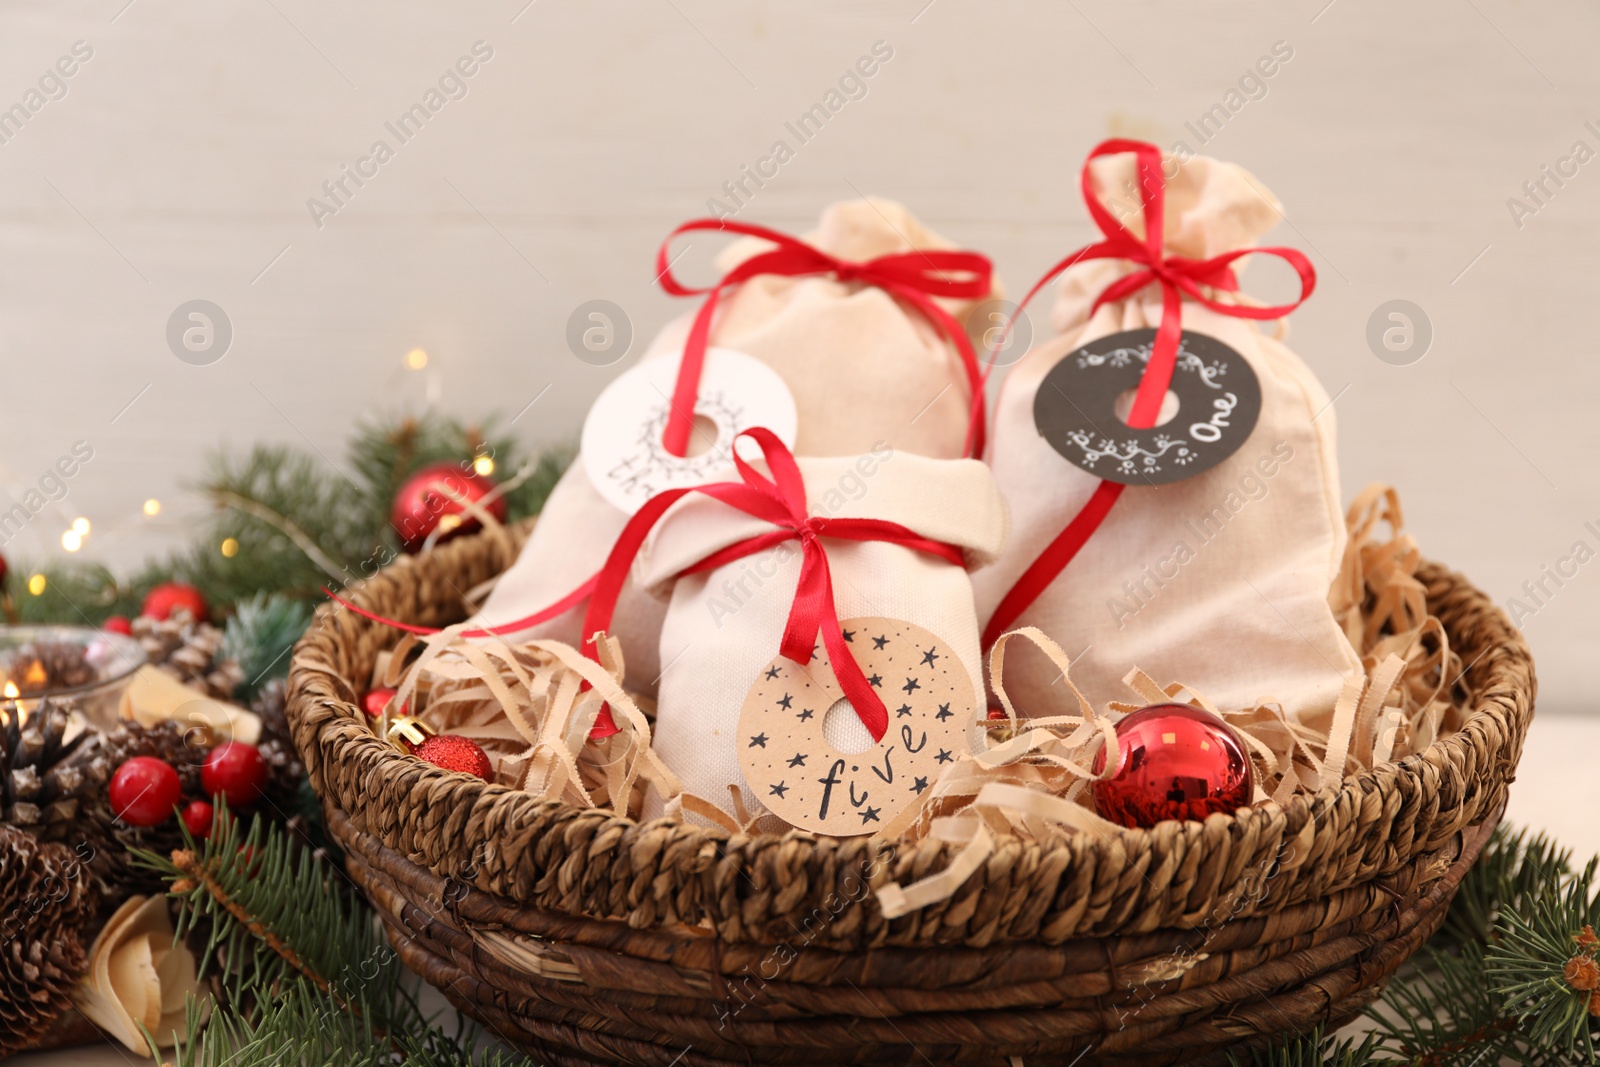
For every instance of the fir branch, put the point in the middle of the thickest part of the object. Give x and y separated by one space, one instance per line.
252 895
1525 964
194 873
1514 869
1441 1010
1314 1050
75 593
260 634
302 540
307 977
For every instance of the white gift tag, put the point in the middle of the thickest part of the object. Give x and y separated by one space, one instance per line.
622 446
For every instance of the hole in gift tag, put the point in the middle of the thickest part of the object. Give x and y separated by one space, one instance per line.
1210 408
1169 406
702 436
842 728
623 448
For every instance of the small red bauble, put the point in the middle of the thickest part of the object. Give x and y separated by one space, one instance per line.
5 569
456 753
373 701
197 816
144 790
164 599
420 506
236 771
117 624
1178 762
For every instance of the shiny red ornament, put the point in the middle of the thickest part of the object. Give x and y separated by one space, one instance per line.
236 771
5 569
197 815
164 599
117 624
453 752
421 505
144 790
373 701
1178 762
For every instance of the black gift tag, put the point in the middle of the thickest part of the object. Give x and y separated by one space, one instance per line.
1218 395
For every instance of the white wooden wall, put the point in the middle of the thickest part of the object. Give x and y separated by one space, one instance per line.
179 161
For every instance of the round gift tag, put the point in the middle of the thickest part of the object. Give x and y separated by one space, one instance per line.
1218 394
622 446
830 777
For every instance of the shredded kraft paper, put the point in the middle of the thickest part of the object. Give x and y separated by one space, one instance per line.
531 707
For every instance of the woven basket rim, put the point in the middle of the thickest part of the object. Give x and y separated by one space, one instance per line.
328 723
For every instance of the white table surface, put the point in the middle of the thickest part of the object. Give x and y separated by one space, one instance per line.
1556 791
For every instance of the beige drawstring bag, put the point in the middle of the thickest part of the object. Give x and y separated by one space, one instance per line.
861 366
1220 578
733 711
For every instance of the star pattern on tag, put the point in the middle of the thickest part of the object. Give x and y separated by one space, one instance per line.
791 709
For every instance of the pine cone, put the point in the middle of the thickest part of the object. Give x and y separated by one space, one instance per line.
185 747
49 909
44 666
110 837
277 747
44 770
190 650
98 837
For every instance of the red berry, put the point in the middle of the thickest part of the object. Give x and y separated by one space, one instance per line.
456 753
163 599
997 713
144 791
197 816
236 771
117 624
375 700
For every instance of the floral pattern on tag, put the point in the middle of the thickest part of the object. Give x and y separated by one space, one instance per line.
1219 400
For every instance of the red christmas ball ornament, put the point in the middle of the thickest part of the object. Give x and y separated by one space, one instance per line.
236 771
197 815
1178 762
373 701
424 503
164 599
117 624
453 752
144 790
5 569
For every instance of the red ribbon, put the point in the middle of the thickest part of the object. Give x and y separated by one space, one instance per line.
916 277
560 607
781 501
1178 276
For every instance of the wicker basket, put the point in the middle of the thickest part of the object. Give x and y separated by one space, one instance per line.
590 939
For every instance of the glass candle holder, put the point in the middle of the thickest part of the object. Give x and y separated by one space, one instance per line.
78 666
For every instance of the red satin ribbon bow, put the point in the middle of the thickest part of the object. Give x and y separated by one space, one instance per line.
916 277
1178 277
781 501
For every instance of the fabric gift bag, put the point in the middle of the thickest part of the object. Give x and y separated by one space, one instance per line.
873 549
862 324
1220 578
